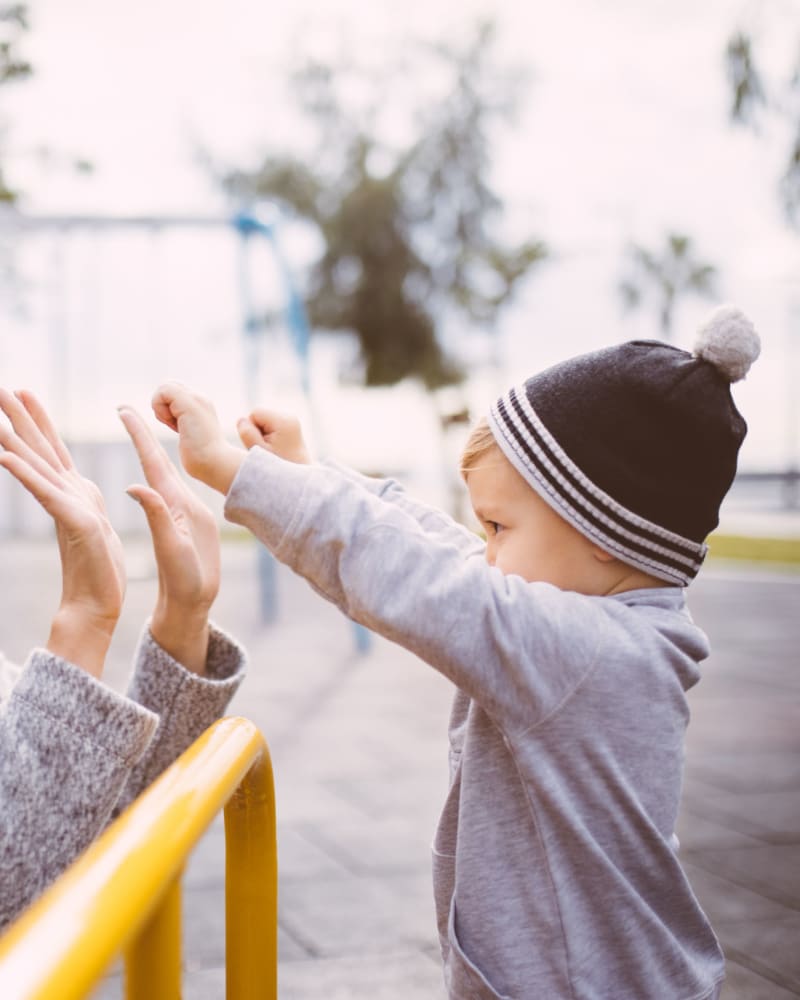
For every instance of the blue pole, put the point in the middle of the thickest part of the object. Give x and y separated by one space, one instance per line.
299 329
265 563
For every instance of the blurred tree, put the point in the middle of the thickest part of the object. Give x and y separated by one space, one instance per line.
405 229
13 24
752 100
664 276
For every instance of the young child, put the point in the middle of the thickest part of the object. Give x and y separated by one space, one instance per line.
567 637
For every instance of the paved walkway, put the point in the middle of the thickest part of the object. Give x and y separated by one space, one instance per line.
359 750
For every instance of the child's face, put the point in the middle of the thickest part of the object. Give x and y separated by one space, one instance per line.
525 536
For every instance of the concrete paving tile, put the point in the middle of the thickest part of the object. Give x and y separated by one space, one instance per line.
767 947
206 864
385 845
302 799
744 984
402 976
408 975
204 984
109 988
772 871
204 928
300 857
289 948
416 792
770 816
360 916
697 832
743 724
726 901
755 772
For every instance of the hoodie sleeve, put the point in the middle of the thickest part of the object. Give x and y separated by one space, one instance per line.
433 521
517 648
67 746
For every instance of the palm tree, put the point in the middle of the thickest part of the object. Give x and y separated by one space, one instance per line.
664 276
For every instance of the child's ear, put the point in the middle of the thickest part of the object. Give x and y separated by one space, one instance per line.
602 556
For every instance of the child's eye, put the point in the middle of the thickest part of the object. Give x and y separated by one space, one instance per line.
494 527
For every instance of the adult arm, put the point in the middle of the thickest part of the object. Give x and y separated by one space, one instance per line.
67 747
186 669
67 743
71 750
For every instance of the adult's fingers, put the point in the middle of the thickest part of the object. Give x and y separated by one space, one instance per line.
53 499
13 444
26 429
159 520
42 420
159 471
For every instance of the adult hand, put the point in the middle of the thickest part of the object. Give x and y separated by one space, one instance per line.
186 547
92 564
278 433
204 451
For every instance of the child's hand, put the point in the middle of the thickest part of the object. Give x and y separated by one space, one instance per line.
186 547
277 433
204 451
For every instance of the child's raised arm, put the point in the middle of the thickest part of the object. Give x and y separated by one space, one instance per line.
276 432
205 453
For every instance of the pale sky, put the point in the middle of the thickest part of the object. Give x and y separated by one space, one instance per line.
623 135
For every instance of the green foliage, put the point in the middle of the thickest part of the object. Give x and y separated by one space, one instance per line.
13 24
405 230
664 276
752 99
746 88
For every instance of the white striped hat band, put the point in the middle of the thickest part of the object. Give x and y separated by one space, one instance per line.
546 467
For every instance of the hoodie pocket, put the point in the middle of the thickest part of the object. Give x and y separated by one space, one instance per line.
465 981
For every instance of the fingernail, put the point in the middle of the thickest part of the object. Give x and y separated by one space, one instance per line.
134 497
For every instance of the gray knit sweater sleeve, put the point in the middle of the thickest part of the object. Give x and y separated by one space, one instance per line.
67 746
185 703
73 752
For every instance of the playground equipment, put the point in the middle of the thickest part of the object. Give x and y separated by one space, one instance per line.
255 228
124 894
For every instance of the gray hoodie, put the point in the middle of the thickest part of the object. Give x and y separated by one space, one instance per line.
73 753
555 872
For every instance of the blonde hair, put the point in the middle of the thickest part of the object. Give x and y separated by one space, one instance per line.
479 443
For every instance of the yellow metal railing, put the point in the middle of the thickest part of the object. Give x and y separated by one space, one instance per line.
123 896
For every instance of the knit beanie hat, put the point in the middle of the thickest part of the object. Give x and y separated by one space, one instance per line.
636 445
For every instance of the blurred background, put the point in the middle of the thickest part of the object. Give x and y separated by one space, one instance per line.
381 215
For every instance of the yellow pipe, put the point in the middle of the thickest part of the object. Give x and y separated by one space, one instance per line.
153 958
251 888
61 946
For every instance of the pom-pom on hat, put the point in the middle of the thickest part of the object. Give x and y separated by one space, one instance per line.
636 445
